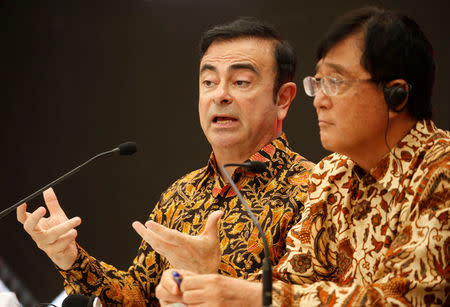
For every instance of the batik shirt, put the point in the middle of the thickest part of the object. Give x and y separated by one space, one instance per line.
377 238
275 196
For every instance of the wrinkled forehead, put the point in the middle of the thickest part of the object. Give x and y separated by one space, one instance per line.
258 51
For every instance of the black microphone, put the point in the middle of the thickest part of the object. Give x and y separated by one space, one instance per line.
253 166
256 167
78 300
127 148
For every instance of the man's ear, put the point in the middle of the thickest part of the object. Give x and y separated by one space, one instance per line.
285 95
396 94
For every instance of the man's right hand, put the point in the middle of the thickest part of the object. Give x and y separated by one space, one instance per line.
55 234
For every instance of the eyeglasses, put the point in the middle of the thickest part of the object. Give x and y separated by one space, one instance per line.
330 86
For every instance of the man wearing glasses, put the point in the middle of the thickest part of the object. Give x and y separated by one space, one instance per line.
376 225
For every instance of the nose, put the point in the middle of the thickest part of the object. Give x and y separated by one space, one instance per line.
321 101
222 94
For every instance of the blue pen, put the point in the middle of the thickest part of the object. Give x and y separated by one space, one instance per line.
177 277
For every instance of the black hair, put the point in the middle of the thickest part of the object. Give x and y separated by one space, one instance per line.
394 48
250 27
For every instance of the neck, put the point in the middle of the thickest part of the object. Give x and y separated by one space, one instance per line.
236 155
370 155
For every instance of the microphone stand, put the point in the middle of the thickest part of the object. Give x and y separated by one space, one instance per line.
127 148
267 265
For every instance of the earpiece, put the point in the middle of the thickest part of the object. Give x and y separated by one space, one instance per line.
395 96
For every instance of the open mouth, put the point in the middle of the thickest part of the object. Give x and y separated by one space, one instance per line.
223 119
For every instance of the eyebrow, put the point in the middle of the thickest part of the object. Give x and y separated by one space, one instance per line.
245 66
206 67
339 68
236 66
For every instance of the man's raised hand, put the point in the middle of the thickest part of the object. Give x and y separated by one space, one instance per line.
200 254
55 234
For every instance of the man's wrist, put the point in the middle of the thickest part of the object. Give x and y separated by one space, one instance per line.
246 292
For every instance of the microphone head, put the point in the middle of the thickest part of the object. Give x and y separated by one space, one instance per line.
78 300
75 300
255 166
127 148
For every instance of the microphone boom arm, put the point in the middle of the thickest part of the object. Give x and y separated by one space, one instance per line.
249 211
267 265
54 182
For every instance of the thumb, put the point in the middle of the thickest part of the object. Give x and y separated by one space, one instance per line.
212 224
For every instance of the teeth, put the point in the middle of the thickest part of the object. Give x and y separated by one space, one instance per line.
224 121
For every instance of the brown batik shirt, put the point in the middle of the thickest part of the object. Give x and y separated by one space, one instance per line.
380 238
275 196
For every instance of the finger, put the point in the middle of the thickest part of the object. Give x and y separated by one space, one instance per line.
22 213
140 229
157 242
52 203
166 234
33 219
199 289
184 273
62 242
54 233
212 224
196 297
192 281
168 289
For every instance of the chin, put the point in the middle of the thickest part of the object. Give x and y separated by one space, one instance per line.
223 142
324 141
329 143
326 147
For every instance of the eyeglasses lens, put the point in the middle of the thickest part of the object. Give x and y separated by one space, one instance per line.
310 86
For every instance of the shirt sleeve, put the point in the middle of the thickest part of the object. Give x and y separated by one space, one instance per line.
414 271
135 287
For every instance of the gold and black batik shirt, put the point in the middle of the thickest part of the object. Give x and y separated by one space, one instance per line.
275 196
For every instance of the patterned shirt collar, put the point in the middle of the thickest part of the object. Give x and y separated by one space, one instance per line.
265 155
388 170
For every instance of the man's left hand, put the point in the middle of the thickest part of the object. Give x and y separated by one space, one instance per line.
199 254
208 290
